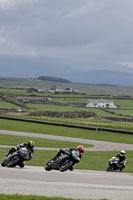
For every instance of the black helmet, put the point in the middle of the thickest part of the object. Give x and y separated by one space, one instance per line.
30 144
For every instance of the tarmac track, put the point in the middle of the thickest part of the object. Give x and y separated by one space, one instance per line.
78 184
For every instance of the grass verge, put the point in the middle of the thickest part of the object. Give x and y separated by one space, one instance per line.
13 140
31 197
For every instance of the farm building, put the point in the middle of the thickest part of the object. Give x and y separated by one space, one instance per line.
32 90
53 90
100 104
26 99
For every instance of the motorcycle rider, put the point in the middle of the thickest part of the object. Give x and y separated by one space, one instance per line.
79 148
122 159
29 146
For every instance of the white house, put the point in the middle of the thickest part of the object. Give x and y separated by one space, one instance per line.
100 104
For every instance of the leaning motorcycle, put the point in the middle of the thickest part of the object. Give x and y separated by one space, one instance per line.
16 158
64 161
114 165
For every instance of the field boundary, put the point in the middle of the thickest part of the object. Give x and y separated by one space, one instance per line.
68 125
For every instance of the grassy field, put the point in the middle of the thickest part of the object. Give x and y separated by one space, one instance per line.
12 140
32 197
64 131
126 110
8 105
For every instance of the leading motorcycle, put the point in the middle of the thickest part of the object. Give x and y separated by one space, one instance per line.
16 158
64 161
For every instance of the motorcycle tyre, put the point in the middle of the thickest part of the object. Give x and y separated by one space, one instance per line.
48 166
14 162
108 169
70 164
3 164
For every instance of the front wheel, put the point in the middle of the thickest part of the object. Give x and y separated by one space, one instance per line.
66 165
48 166
108 169
14 161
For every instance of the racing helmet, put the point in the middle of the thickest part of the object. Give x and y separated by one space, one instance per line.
30 144
80 149
122 152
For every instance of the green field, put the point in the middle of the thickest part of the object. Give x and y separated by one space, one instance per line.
125 103
12 140
64 131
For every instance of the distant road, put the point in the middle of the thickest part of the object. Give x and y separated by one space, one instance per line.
77 184
98 145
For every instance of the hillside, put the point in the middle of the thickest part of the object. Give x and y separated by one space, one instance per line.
76 72
83 88
53 79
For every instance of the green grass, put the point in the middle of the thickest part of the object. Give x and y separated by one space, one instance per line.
8 105
13 140
64 131
31 197
124 112
98 122
51 107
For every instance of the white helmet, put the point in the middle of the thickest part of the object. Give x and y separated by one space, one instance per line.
122 152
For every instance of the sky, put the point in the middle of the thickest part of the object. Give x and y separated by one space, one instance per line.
77 30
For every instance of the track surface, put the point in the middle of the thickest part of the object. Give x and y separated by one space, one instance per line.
80 184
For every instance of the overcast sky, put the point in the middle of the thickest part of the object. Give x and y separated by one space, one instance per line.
84 30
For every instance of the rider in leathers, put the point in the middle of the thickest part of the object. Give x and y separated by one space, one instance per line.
80 149
29 146
122 159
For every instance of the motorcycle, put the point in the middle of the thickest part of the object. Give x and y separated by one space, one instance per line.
114 166
64 161
16 158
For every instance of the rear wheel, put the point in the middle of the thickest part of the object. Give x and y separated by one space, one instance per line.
14 161
66 165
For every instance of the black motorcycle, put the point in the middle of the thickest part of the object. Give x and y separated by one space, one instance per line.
16 158
64 161
114 165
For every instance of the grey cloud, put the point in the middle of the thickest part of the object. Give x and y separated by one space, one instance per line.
78 29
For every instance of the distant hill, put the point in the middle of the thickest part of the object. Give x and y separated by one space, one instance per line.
104 77
53 79
90 72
